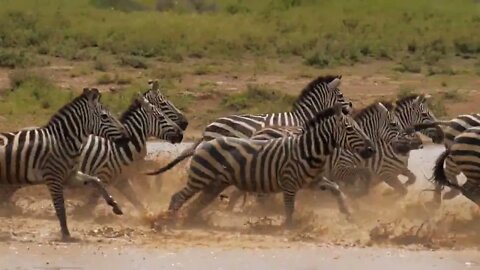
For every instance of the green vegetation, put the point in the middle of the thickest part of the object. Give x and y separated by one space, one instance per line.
32 99
253 100
324 33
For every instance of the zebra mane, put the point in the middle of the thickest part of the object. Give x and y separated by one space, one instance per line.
134 106
312 86
388 104
407 99
320 116
66 107
365 111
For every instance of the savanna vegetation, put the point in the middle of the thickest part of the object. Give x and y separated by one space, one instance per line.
124 42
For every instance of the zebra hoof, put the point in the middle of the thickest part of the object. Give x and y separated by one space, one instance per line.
69 239
116 209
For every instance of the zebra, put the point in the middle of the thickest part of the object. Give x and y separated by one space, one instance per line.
278 165
47 155
451 129
113 162
408 111
392 161
464 153
319 94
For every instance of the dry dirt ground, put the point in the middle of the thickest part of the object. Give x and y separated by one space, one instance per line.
384 231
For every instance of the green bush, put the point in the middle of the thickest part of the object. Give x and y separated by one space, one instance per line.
12 59
133 61
324 33
258 99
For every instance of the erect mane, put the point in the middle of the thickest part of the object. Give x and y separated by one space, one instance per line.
67 106
320 116
364 112
407 99
134 106
312 86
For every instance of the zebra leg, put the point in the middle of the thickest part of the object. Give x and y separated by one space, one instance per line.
233 198
451 172
289 201
97 184
207 196
411 177
335 190
55 188
395 183
125 187
471 190
180 197
6 194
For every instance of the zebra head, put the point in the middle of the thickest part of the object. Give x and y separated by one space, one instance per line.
349 135
413 110
156 98
379 122
158 124
407 142
100 121
318 95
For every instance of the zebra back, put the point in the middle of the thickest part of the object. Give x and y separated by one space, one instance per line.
318 95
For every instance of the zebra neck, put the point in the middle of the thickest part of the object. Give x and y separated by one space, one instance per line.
316 144
67 136
138 134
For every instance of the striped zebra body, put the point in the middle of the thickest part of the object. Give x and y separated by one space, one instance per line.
279 165
315 97
464 153
451 130
47 155
115 163
392 160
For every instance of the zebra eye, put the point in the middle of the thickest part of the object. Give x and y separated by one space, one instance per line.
349 128
104 116
393 124
425 114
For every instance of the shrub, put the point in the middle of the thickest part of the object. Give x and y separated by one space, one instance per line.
105 79
133 61
12 59
258 98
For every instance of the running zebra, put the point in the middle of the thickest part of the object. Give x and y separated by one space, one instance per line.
318 95
114 163
451 129
464 153
392 160
47 155
278 165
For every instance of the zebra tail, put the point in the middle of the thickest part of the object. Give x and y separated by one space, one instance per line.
439 177
185 154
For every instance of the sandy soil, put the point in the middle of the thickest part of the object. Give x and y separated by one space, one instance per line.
384 232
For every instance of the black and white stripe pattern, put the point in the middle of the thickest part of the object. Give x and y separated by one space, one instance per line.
279 165
391 160
464 154
318 95
47 155
114 163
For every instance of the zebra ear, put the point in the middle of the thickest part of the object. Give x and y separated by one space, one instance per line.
334 84
382 107
420 99
154 85
92 94
140 99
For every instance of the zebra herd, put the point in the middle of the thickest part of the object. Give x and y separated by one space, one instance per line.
323 143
